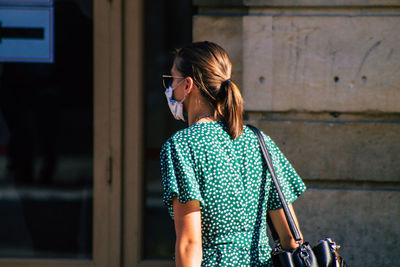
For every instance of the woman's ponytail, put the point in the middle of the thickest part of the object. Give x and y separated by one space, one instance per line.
209 65
230 108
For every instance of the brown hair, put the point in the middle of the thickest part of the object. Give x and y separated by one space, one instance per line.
210 68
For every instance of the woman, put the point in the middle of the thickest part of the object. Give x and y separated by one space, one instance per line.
215 183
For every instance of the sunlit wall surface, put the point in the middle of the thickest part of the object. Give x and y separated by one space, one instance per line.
46 144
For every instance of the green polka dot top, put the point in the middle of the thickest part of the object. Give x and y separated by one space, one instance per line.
227 176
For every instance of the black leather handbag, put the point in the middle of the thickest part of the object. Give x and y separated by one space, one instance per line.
324 254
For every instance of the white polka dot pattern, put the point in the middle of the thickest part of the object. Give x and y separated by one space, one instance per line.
227 176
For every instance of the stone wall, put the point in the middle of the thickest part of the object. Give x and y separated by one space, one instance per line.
322 78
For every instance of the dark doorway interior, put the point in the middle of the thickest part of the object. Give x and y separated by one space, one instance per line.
168 25
46 143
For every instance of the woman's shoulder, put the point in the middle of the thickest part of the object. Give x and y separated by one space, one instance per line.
249 132
206 133
182 136
193 135
176 139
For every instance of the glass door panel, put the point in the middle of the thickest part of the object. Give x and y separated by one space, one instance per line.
46 137
170 23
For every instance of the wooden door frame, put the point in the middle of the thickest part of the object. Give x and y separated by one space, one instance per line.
133 160
108 132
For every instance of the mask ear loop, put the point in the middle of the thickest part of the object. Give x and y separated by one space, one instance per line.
172 95
173 88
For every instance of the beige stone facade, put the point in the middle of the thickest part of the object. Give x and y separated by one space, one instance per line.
322 78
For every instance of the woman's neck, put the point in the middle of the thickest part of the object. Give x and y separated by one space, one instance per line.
200 119
198 109
200 112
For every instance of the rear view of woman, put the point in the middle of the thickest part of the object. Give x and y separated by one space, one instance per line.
215 185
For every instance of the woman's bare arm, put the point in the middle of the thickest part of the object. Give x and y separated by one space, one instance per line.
282 228
188 247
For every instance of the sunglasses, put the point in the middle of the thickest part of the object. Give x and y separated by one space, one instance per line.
167 80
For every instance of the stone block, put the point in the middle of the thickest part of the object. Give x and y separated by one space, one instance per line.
338 151
225 31
294 3
318 3
321 63
363 222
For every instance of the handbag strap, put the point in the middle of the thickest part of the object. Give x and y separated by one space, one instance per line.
289 217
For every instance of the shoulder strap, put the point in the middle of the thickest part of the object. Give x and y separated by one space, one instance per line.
289 217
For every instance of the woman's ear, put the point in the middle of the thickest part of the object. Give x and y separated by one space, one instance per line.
189 85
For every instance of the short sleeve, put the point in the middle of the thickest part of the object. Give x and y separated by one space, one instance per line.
178 174
291 184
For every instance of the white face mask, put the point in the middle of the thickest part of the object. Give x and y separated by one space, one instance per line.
175 106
